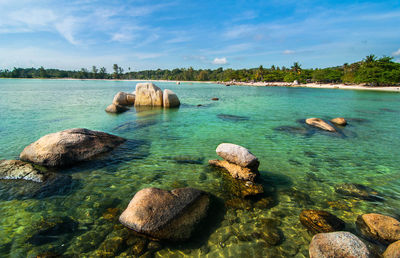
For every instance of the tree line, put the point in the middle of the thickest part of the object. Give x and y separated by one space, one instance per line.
372 71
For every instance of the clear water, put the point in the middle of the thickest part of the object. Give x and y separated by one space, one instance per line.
298 170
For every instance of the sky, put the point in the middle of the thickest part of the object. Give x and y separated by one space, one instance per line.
140 35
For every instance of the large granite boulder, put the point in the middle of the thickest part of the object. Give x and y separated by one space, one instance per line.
170 215
321 124
236 171
318 221
124 99
16 169
69 146
170 99
393 250
148 94
339 121
113 108
379 227
339 245
237 155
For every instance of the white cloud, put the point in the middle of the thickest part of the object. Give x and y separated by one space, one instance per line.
66 29
220 61
396 53
288 52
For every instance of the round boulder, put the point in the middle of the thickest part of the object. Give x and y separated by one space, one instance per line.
169 215
69 146
170 99
339 121
379 227
124 99
148 94
318 221
393 250
321 124
113 108
337 244
238 155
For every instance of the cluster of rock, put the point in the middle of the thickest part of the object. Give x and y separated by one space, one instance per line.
146 94
321 124
330 241
241 164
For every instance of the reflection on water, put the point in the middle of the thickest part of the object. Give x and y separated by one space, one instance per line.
301 167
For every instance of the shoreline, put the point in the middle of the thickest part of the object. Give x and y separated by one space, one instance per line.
340 86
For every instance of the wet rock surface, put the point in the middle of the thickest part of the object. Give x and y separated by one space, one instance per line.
393 250
337 244
379 227
170 215
321 124
70 146
318 221
170 99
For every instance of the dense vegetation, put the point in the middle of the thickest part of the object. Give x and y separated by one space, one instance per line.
371 71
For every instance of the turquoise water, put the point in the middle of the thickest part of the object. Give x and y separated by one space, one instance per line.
170 148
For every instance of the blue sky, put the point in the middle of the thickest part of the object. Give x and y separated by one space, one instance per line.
202 34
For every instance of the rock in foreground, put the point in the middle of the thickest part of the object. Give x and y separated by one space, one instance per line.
379 227
318 221
148 94
321 124
393 250
339 245
16 169
238 155
169 215
170 99
69 147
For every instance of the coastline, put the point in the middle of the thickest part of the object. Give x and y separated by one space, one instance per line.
253 84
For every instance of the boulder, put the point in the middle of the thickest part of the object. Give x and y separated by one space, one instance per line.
16 169
379 227
169 215
339 121
237 155
215 99
321 124
337 244
170 100
113 108
318 221
359 191
393 250
69 147
236 171
148 94
124 99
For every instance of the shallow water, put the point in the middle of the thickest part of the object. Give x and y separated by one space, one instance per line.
170 148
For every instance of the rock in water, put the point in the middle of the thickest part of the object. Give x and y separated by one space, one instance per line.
236 171
339 121
170 215
170 99
116 109
237 155
69 147
16 169
148 94
379 227
393 250
124 99
358 190
318 221
321 124
337 244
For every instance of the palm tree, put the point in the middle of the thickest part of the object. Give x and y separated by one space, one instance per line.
370 59
296 67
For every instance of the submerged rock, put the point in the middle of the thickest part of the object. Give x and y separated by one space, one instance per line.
148 94
69 147
238 155
117 109
170 99
318 221
170 215
338 244
339 121
16 169
321 124
294 130
215 99
235 171
232 118
393 250
359 191
186 159
379 227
